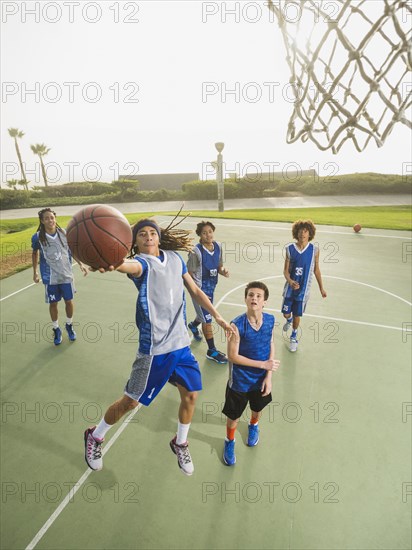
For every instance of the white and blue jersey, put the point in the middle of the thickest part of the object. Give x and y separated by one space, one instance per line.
254 344
204 265
55 258
161 306
301 269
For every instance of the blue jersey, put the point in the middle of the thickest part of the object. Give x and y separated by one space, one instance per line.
161 307
55 258
204 264
254 344
301 268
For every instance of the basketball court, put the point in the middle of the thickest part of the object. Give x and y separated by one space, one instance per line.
331 470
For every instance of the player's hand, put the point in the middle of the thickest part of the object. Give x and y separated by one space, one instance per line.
295 285
83 269
266 386
36 278
323 292
224 272
101 269
271 364
225 326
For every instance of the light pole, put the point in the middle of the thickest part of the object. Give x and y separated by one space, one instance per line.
219 177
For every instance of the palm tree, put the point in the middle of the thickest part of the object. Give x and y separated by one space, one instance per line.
24 183
41 150
16 133
12 183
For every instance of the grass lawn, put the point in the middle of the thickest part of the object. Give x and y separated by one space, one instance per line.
15 235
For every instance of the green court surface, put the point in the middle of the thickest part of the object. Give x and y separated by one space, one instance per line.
331 470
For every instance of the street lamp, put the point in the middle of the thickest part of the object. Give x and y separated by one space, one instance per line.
219 176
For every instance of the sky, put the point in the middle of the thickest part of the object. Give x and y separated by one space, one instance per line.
150 86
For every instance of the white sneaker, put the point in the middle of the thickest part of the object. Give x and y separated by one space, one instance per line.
287 325
93 450
293 345
183 457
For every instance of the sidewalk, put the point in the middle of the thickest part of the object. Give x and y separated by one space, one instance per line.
230 204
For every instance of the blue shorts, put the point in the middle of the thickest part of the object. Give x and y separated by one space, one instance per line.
151 372
202 315
54 293
296 307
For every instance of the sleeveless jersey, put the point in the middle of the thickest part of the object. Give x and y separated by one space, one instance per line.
204 265
301 267
161 306
254 344
55 258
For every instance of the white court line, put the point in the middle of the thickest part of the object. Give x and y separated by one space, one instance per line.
352 321
25 288
69 497
347 233
17 292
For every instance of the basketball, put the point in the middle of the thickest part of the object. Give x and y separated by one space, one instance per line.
99 236
357 227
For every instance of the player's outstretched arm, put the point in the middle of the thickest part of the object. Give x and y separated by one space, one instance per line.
200 297
318 276
130 267
234 356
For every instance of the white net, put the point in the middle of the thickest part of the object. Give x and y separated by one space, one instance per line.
351 63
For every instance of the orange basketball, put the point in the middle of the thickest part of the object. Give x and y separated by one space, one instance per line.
99 235
357 227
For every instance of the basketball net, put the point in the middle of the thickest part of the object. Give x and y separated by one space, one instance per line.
350 63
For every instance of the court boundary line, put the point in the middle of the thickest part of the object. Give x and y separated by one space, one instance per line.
352 321
49 522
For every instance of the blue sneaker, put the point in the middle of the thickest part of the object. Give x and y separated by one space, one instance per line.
253 435
216 356
195 331
57 336
70 332
229 457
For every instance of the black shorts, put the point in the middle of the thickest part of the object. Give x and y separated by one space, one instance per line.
236 402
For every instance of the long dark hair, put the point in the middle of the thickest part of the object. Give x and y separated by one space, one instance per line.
42 231
170 238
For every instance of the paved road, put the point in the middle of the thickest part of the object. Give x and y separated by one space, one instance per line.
230 204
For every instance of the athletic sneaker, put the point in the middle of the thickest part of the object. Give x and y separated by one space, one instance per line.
57 336
70 332
183 457
216 356
287 325
253 435
293 345
229 457
195 331
93 450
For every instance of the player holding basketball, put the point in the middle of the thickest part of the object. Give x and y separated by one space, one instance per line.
251 355
301 263
204 265
56 270
164 355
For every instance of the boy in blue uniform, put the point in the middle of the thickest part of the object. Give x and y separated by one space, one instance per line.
251 355
56 270
164 355
205 265
301 263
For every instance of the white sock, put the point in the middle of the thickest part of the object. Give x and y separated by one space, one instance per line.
55 324
69 321
182 431
101 429
290 319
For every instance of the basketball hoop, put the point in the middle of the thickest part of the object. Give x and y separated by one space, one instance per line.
350 63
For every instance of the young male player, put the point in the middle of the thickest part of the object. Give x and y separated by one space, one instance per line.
164 355
251 354
301 263
205 265
56 270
